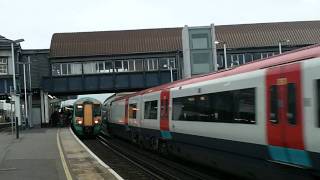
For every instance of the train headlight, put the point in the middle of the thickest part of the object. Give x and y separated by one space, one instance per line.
79 122
96 121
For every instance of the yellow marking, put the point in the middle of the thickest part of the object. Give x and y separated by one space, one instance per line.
88 114
63 160
282 81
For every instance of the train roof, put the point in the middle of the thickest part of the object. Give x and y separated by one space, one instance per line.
84 99
280 59
115 96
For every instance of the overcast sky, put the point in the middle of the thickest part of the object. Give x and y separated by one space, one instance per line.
37 20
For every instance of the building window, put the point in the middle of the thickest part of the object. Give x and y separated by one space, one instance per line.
56 69
108 66
166 63
266 55
90 67
76 68
248 57
237 106
172 63
66 69
237 59
3 65
131 65
200 41
100 67
220 62
151 109
201 62
163 63
256 56
118 66
151 64
138 63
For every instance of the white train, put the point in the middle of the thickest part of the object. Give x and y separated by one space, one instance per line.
255 120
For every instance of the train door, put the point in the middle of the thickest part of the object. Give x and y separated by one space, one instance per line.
88 115
164 114
284 115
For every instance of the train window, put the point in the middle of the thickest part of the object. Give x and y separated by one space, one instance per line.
133 111
203 108
292 103
79 111
151 109
273 104
236 106
96 110
318 97
244 106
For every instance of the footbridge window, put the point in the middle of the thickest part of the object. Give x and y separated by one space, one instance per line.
110 66
66 69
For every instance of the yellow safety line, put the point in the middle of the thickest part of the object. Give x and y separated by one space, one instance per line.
63 160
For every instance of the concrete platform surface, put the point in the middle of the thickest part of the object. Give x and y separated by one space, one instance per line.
81 163
33 156
49 154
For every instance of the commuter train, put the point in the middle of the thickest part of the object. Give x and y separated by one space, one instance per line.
86 119
253 120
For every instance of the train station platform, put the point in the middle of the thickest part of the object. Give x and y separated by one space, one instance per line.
49 154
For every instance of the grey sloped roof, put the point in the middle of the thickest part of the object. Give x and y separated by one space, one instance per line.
169 39
4 42
115 42
269 34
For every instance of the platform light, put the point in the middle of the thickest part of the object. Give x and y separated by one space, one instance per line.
280 42
224 52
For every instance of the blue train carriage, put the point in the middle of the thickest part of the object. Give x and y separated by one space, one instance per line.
86 119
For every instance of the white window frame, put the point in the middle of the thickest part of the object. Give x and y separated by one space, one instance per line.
134 64
4 64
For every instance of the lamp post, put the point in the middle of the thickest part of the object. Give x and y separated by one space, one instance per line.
280 44
15 98
224 52
30 94
25 92
170 68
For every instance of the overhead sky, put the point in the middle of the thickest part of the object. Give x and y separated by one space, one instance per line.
36 20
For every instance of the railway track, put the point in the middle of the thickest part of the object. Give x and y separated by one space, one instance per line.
143 164
126 168
167 169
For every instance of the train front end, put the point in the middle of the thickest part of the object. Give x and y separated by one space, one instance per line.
87 118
